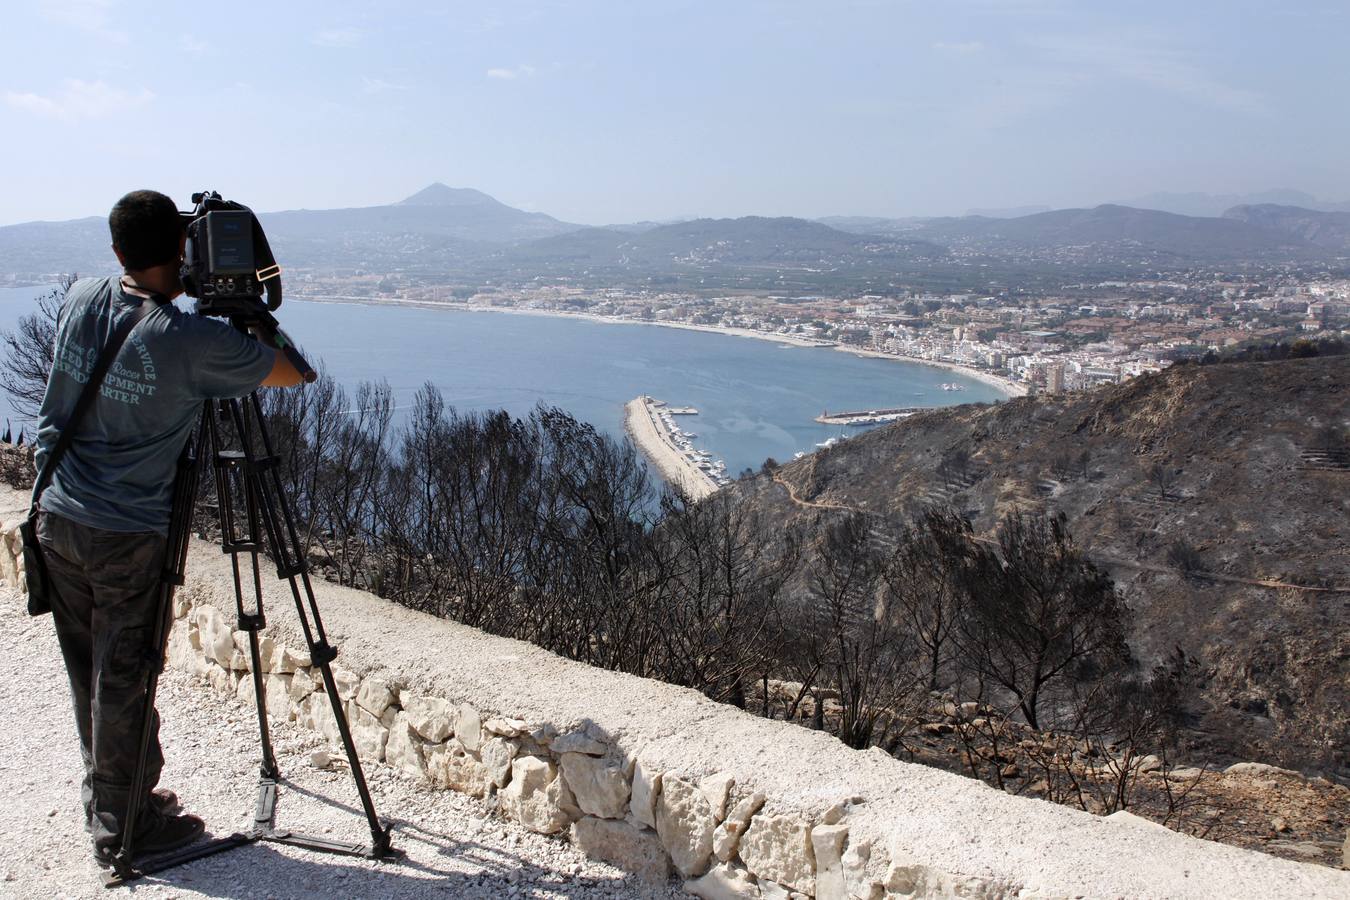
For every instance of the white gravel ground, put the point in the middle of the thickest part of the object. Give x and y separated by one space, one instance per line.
455 847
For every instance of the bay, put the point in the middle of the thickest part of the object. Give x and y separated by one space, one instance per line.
756 398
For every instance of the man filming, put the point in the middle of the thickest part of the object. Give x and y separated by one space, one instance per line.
104 514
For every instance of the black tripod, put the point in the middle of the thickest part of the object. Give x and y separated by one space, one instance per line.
233 437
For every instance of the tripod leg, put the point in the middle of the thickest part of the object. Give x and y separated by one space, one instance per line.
175 564
268 502
231 477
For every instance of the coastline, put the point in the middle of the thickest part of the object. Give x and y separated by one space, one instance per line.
1007 385
640 423
984 376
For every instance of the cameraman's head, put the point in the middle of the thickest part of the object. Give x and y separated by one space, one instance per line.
148 238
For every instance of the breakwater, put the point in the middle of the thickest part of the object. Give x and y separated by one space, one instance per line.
650 423
867 416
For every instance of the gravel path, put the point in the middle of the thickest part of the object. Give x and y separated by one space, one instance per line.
455 847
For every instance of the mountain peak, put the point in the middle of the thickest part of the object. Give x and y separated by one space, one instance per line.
438 194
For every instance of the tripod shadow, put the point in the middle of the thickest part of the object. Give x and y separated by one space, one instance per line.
435 863
474 870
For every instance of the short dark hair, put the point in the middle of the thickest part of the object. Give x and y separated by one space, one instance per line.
146 229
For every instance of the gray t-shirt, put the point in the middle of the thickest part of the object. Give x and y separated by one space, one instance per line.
119 471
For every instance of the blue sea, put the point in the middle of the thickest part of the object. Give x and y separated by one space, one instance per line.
756 399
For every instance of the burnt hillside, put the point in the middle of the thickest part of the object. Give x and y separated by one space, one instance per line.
1205 491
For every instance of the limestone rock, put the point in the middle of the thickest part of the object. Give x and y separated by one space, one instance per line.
285 660
717 789
368 734
722 882
533 796
374 696
727 837
276 689
599 786
507 728
468 728
217 642
779 848
496 756
684 822
1188 773
827 843
864 868
1149 763
348 683
302 685
1254 768
907 877
633 849
449 766
429 717
223 681
179 651
265 649
577 742
403 750
646 788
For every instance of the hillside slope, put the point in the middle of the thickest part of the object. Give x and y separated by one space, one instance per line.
1236 447
1323 229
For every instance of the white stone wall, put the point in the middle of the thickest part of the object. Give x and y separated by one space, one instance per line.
576 782
662 782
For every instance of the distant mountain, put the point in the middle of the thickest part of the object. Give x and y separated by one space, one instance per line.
750 241
436 227
1200 204
442 233
1322 229
873 224
80 246
1012 212
1119 232
460 213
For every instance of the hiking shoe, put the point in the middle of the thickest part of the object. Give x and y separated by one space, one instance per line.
174 833
162 801
165 802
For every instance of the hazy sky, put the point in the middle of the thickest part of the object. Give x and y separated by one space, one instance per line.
602 112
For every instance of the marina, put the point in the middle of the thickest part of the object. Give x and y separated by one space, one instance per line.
859 418
670 448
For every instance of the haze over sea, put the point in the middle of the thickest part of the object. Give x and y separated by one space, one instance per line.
755 398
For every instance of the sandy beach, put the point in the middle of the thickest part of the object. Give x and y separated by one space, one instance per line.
1008 386
654 442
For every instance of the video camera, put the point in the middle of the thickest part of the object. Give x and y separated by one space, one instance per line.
228 264
228 267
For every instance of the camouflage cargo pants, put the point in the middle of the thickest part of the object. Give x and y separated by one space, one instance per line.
107 591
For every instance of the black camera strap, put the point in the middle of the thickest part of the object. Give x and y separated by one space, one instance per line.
91 389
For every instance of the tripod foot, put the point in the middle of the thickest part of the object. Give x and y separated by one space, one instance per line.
120 874
123 871
381 848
